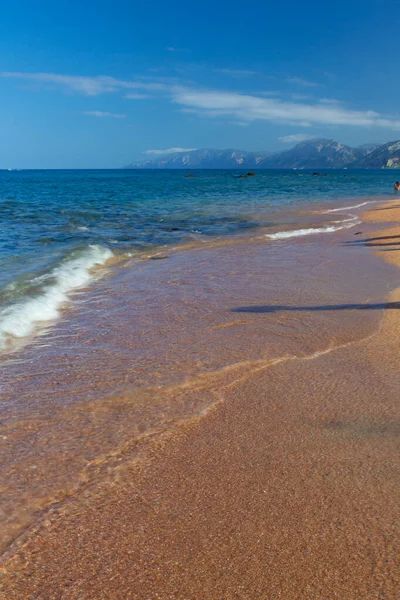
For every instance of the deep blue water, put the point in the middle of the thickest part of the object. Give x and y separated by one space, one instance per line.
71 220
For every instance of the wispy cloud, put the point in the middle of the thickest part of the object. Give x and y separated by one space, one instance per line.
233 106
250 107
101 114
239 123
175 49
89 86
138 96
236 72
296 138
301 96
302 82
168 151
329 101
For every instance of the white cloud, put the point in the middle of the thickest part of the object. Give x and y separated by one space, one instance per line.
169 151
296 137
174 49
220 104
239 123
89 86
269 93
300 96
137 96
250 107
236 72
329 101
302 82
99 113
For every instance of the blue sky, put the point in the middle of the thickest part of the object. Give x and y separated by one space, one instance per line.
100 84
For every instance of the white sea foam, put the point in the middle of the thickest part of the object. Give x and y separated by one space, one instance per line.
345 208
346 224
20 319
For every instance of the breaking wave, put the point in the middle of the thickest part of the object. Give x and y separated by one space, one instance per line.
346 224
31 311
345 208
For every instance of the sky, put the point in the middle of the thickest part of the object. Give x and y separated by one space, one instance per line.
100 84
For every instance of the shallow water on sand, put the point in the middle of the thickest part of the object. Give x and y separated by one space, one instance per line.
152 345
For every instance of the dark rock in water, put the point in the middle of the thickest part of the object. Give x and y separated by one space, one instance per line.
158 257
250 174
358 233
315 174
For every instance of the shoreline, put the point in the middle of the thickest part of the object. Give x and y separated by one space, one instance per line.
18 329
181 528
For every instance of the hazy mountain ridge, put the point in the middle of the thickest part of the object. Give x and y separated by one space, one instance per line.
386 156
204 159
312 154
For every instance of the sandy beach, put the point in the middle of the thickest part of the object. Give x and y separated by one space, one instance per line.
288 487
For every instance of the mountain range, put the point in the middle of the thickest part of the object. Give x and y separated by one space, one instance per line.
310 154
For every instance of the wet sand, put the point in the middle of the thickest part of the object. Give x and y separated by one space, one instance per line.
152 344
287 488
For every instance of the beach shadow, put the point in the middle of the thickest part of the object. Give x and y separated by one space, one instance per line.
388 207
391 429
274 308
373 245
375 241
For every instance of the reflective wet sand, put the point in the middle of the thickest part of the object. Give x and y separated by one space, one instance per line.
287 487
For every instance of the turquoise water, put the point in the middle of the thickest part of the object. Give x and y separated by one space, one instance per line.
44 215
57 225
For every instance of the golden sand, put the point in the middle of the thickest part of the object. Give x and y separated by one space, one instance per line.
386 244
288 489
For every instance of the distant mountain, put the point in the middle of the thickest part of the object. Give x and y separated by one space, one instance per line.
386 156
204 159
367 148
311 154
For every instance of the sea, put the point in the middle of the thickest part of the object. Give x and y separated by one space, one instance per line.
58 226
129 299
